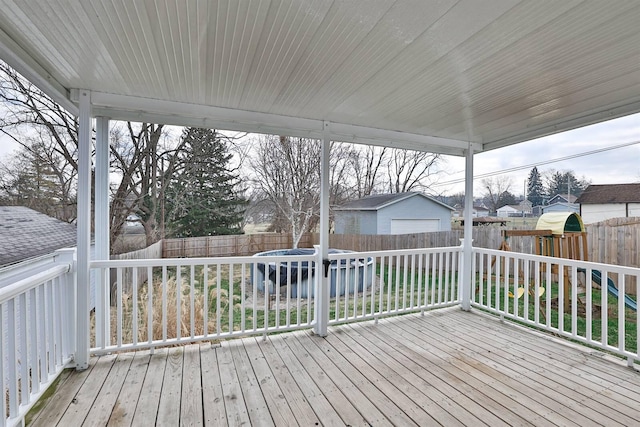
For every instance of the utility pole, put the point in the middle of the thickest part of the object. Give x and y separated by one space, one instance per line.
525 197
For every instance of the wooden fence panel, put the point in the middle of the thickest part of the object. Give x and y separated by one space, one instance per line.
150 252
614 241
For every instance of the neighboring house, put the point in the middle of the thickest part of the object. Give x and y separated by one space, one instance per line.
601 202
480 211
400 213
562 198
561 207
25 234
509 210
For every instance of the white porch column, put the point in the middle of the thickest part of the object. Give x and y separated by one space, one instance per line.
467 255
322 298
102 228
84 229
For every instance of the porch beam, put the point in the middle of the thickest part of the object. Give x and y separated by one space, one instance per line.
467 244
102 227
127 107
84 229
21 61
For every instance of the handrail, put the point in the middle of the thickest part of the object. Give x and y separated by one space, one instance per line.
21 286
167 262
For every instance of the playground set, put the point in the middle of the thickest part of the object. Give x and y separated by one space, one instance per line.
562 235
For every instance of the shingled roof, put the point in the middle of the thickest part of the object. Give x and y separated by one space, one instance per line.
610 193
378 201
25 233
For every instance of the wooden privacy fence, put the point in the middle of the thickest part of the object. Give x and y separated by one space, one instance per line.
236 245
150 252
615 241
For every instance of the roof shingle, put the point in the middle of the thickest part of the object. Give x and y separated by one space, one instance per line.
610 193
25 233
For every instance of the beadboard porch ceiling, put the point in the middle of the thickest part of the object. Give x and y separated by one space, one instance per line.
420 74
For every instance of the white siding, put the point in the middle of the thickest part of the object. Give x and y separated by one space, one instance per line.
634 209
408 226
597 213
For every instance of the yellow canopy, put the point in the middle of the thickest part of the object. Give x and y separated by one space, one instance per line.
560 222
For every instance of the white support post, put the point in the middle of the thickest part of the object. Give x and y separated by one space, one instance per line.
102 229
68 304
322 299
84 229
467 251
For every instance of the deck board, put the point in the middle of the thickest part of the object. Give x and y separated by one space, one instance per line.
147 405
125 407
447 367
170 405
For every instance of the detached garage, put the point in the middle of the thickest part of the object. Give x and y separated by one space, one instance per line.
400 213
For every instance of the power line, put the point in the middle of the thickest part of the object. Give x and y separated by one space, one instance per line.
545 162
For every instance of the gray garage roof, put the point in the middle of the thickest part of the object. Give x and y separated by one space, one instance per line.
379 201
610 193
424 74
25 233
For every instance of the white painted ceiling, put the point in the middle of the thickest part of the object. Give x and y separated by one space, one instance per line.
426 74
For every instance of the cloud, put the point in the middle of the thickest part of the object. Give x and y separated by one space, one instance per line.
618 165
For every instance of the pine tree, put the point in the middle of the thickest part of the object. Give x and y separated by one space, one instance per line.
203 196
565 183
535 188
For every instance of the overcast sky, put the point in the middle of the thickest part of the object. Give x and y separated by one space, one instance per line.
621 165
615 166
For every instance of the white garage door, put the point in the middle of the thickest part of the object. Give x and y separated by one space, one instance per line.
408 226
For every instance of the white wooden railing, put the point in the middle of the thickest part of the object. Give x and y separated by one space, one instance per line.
175 306
198 299
188 300
574 299
373 284
37 330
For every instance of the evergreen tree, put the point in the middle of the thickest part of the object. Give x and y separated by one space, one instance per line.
535 188
565 183
203 198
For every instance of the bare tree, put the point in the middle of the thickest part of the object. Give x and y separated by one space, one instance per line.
411 170
368 164
495 189
287 171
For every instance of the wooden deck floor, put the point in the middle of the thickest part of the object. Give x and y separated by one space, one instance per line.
446 368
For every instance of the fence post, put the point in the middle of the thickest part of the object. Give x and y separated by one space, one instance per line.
68 304
321 295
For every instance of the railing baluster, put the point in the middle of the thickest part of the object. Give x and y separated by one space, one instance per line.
3 378
50 314
134 306
288 295
589 308
604 339
622 292
150 290
119 308
34 334
23 349
574 300
230 296
255 294
205 291
178 301
243 314
218 298
192 301
12 353
165 319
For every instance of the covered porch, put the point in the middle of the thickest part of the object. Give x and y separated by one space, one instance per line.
447 77
447 367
